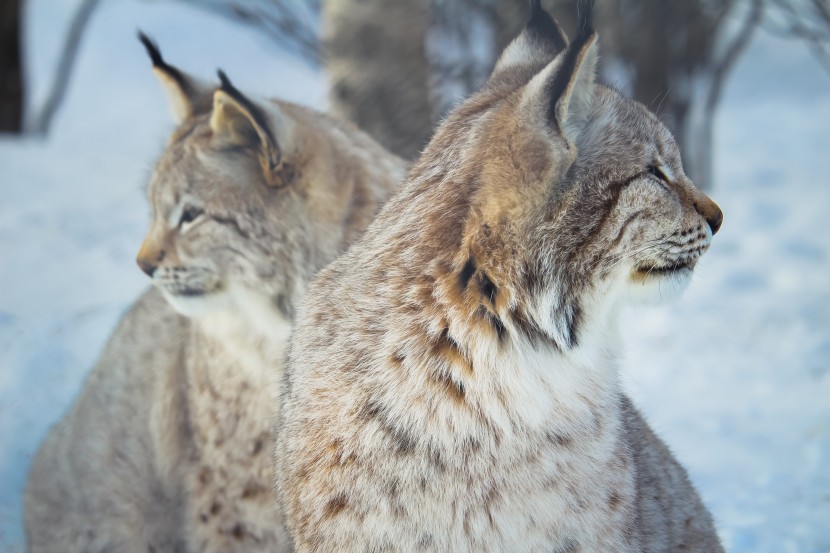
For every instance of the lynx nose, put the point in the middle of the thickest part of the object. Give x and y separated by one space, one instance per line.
711 212
149 257
146 266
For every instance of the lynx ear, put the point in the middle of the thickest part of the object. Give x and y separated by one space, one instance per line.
238 122
563 91
186 94
539 42
572 89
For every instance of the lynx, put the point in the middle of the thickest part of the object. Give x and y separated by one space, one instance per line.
169 445
452 382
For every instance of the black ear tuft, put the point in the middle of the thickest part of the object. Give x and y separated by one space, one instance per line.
226 84
585 14
152 49
255 112
159 63
565 74
540 41
543 27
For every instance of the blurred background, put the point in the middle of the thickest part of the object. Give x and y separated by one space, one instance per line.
735 376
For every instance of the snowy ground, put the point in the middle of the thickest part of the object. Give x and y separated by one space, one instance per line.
736 376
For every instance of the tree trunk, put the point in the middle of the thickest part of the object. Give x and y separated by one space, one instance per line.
375 58
66 64
11 67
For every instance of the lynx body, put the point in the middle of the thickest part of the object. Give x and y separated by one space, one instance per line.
452 379
169 445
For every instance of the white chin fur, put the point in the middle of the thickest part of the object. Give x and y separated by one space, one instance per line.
197 307
658 289
242 304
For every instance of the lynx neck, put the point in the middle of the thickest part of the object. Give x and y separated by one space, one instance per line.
229 342
548 387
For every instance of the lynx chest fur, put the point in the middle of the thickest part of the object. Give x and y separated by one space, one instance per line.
452 381
169 446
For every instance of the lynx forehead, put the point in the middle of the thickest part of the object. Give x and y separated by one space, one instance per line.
452 380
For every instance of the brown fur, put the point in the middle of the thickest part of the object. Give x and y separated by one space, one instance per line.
452 380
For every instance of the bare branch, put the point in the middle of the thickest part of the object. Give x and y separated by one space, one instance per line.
461 48
12 92
822 8
69 54
807 21
290 25
722 67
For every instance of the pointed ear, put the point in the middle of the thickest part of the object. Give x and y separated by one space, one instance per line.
239 123
572 89
187 95
563 91
539 42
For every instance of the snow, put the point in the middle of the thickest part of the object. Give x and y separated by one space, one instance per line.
735 376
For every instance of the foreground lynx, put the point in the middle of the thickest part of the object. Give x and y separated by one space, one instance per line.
452 380
169 445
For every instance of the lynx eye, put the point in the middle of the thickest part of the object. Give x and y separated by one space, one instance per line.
189 214
657 172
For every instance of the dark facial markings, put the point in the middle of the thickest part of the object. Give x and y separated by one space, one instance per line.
655 171
233 223
189 214
624 227
607 208
616 188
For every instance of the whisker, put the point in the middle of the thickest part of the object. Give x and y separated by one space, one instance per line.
629 255
646 245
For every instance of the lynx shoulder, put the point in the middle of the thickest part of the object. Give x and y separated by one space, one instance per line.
452 379
168 446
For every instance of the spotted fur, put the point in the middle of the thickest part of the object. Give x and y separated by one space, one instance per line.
452 379
168 447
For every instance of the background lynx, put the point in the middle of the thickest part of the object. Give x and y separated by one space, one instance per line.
452 382
168 446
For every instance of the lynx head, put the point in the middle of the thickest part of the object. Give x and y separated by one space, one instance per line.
249 199
556 194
